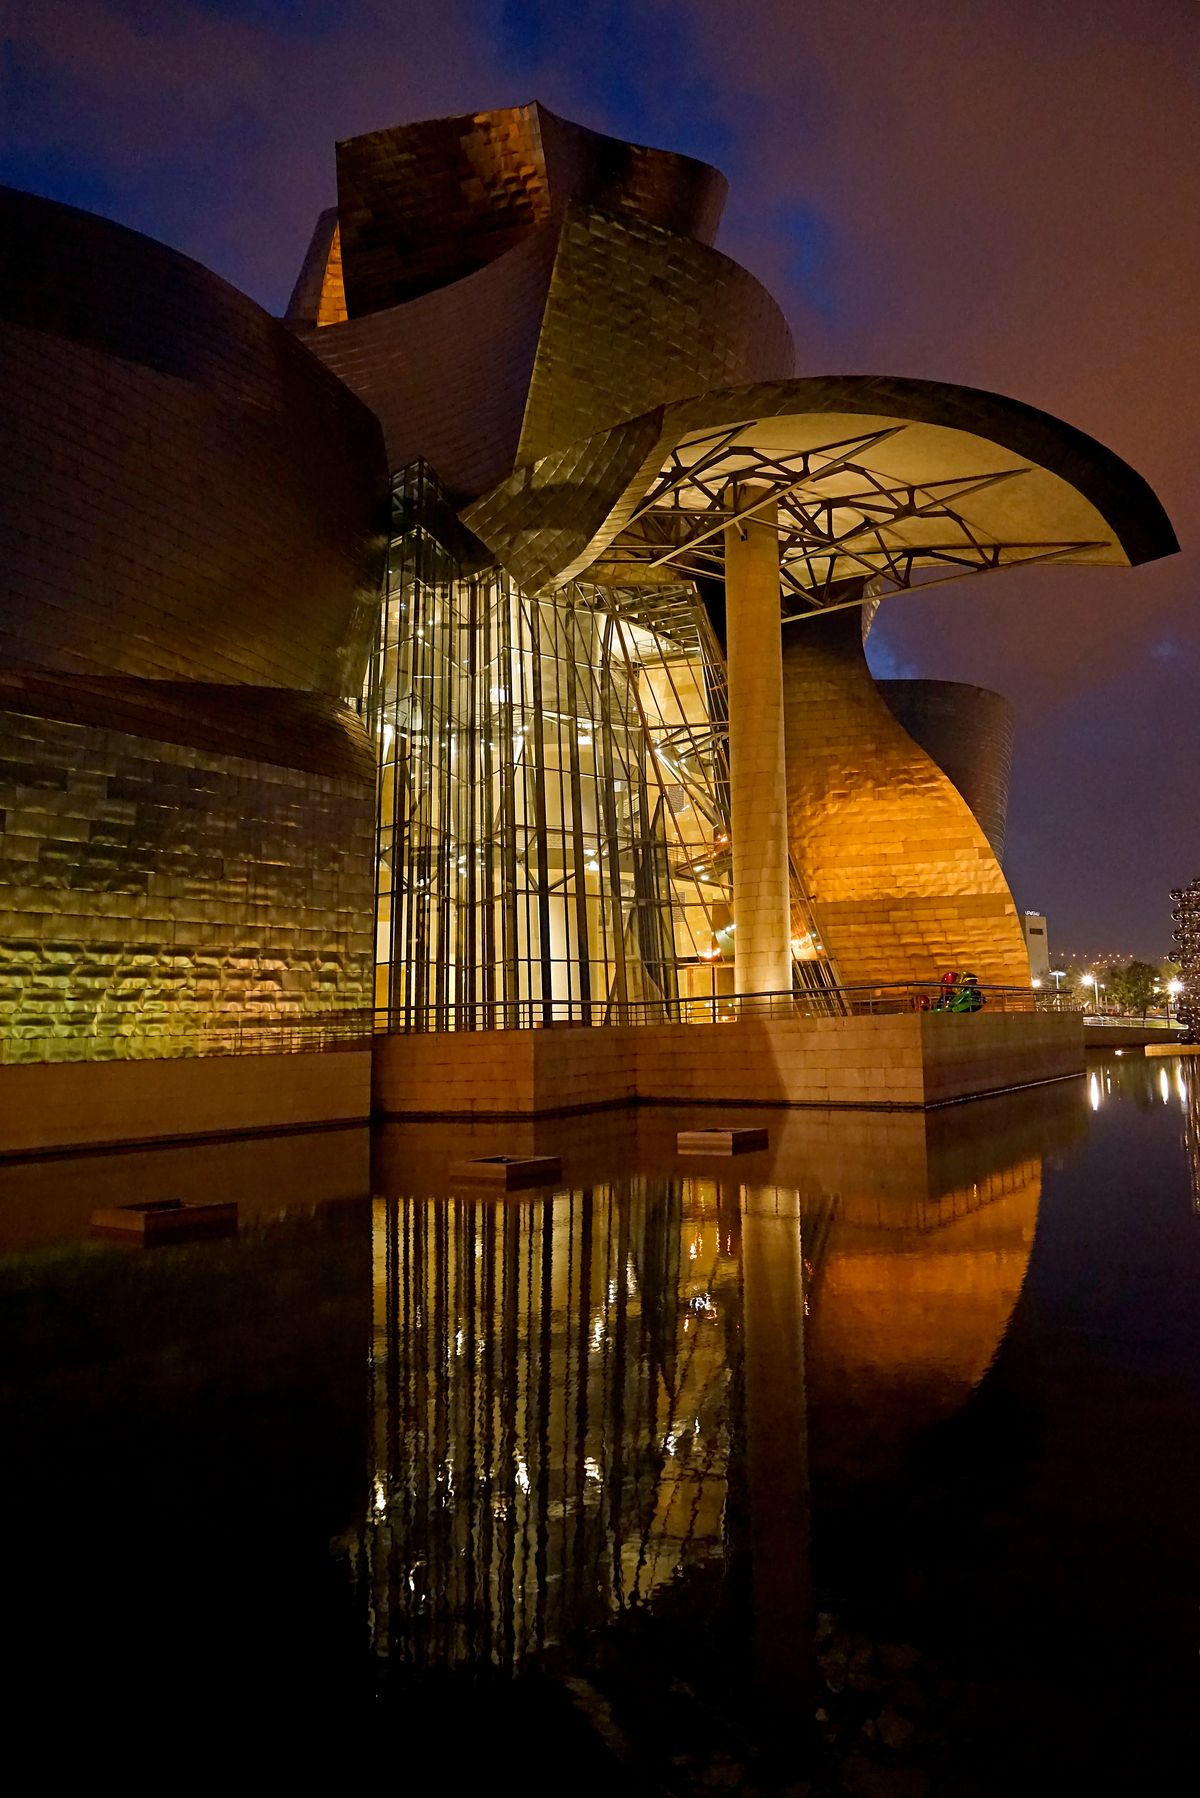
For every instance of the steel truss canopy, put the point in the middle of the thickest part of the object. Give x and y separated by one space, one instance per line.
882 484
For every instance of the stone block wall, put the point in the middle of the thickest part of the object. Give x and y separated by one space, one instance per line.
911 1061
73 1106
1012 1049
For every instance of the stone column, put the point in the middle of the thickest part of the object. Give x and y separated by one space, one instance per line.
757 766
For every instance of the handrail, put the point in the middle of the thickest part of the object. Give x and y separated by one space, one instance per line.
710 1008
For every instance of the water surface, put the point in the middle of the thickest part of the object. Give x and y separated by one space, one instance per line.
893 1420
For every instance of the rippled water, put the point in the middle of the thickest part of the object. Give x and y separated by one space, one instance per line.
893 1419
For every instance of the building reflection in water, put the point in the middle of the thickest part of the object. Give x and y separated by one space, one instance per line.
579 1398
552 1383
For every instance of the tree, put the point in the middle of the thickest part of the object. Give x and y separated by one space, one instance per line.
1070 982
1132 987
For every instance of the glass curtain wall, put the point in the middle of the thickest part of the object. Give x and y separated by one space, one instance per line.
553 836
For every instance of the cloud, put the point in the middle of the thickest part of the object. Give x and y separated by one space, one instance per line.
213 126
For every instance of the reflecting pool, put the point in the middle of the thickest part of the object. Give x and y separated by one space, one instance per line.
870 1456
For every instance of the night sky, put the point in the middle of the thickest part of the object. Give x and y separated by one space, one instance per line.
999 192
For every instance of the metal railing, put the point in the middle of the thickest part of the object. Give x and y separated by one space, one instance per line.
1123 1019
713 1008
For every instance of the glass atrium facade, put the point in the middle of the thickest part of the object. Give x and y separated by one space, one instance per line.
554 820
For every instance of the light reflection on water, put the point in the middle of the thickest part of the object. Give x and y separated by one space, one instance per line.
579 1397
550 1410
476 1432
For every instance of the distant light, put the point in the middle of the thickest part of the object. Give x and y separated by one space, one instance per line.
1037 982
1088 979
1174 987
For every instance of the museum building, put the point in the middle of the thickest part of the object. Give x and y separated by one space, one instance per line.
481 645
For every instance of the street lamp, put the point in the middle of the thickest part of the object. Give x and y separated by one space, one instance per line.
1057 974
1174 988
1089 980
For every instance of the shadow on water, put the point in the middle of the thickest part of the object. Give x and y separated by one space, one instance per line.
844 1458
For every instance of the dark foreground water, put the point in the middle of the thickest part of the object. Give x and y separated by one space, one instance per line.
869 1461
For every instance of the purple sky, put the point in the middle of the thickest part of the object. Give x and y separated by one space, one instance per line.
1000 192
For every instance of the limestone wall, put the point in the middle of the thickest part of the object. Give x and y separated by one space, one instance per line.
73 1105
909 1061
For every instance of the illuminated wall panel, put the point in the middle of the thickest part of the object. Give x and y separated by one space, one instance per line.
158 897
904 883
969 733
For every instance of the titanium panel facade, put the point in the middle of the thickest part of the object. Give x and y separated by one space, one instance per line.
563 383
423 205
155 896
968 731
191 540
513 282
904 884
447 375
188 495
319 296
634 311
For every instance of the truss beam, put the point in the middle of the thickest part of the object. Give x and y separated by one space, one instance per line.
837 519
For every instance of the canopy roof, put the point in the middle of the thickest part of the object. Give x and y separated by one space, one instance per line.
886 481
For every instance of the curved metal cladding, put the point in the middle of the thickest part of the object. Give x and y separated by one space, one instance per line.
187 495
513 282
634 312
903 882
447 374
189 563
968 731
421 205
